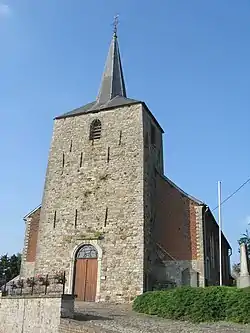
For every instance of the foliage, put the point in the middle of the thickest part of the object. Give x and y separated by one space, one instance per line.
9 267
31 282
245 239
197 304
236 268
20 283
60 277
43 281
238 306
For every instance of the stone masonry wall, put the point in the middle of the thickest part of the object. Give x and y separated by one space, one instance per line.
33 314
178 230
93 192
30 243
153 160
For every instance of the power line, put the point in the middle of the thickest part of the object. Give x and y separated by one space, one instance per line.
231 195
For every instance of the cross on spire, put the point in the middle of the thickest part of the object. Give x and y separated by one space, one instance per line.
115 24
112 84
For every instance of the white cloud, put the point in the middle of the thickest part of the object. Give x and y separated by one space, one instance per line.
4 10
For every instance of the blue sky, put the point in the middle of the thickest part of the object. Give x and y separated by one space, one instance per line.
188 60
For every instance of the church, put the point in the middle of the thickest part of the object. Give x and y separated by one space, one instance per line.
109 216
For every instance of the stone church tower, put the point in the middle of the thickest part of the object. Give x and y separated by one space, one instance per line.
108 211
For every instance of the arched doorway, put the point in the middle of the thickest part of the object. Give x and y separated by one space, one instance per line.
86 273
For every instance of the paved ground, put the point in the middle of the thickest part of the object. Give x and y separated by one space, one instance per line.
121 319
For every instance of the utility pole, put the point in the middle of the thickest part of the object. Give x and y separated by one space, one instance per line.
220 227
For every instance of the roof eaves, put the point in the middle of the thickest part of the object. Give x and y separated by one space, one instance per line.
74 112
199 202
33 211
93 110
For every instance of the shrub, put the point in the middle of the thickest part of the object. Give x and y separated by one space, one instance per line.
197 304
238 306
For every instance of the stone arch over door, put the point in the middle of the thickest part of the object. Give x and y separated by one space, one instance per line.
85 274
73 255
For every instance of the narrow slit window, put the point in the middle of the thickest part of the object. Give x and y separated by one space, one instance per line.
95 130
54 222
81 160
106 217
120 138
70 147
63 160
108 156
76 216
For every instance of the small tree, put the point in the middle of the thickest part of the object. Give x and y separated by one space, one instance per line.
9 267
245 239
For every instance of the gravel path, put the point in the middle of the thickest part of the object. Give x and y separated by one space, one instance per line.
111 318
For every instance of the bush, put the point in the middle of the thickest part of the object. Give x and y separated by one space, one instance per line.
238 307
197 304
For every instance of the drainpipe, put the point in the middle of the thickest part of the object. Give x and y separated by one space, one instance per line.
230 252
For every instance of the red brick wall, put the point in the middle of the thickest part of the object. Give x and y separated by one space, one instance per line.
32 236
175 225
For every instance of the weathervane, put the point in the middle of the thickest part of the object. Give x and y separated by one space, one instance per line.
115 24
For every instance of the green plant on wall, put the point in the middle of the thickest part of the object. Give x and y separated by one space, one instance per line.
98 234
91 235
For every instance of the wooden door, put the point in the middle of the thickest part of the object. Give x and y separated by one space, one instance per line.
85 279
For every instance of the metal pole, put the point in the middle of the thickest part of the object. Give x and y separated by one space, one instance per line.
220 227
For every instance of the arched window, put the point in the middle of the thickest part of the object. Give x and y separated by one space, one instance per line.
87 252
95 130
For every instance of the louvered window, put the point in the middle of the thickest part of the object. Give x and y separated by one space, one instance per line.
95 130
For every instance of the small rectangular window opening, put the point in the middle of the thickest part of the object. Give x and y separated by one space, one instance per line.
108 156
76 215
70 148
63 160
106 217
120 138
81 159
54 223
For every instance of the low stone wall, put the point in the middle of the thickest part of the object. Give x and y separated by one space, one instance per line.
34 314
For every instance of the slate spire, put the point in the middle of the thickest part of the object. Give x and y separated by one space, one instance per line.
112 83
